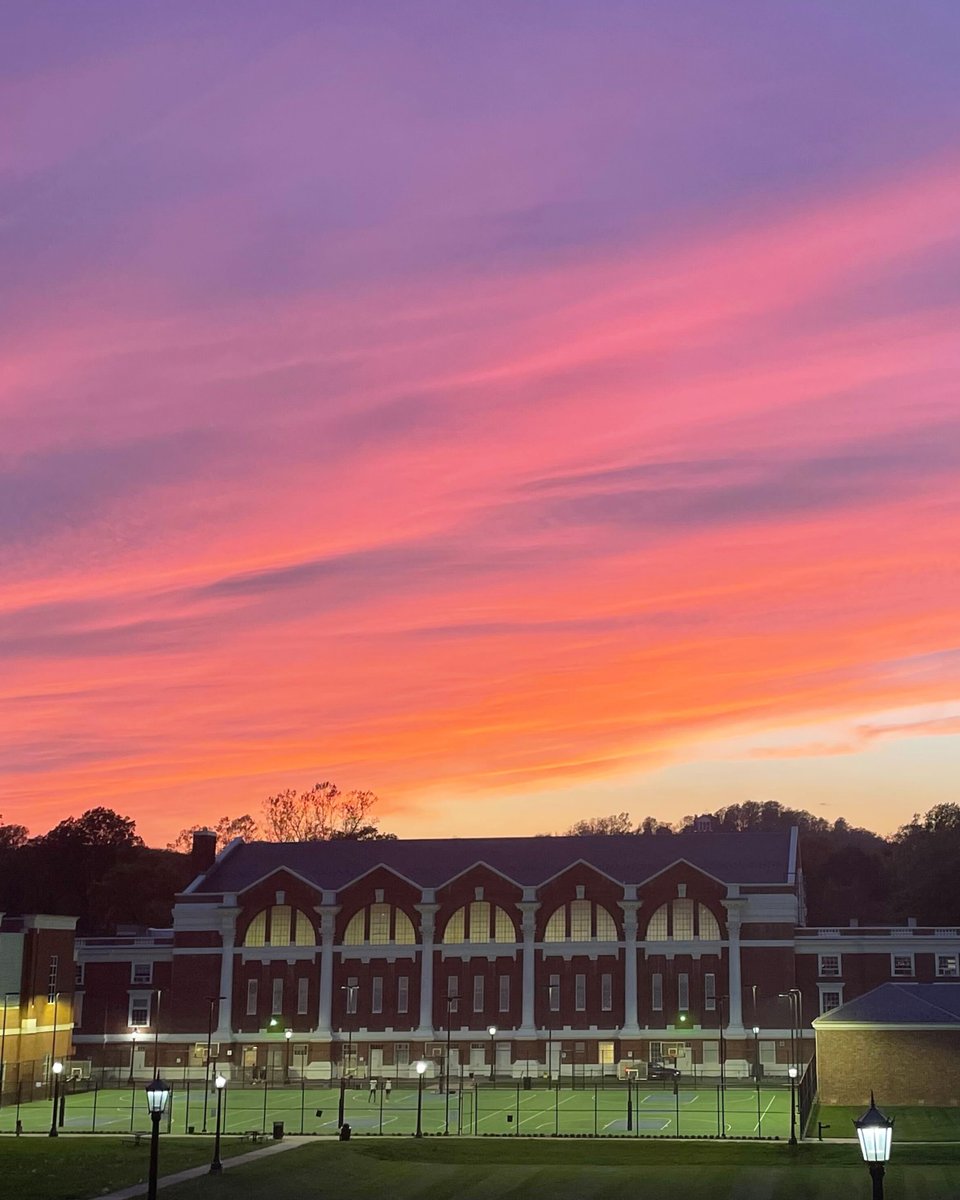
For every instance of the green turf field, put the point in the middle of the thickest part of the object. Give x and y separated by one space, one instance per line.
639 1111
910 1124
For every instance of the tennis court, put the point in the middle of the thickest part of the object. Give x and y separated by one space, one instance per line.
641 1109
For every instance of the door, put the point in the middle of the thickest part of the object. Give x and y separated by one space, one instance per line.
376 1060
478 1056
605 1054
504 1060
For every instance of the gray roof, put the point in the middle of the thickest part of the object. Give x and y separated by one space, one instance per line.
759 858
899 1004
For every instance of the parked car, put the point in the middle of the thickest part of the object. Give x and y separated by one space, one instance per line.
661 1070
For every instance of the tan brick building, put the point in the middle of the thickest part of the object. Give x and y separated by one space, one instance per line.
900 1040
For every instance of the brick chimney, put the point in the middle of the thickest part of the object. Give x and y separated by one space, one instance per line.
204 850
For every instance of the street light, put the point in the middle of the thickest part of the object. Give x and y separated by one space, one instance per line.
158 1093
286 1069
351 989
421 1067
217 1166
492 1030
875 1133
756 1076
549 989
211 1001
792 1072
133 1051
451 1007
57 1069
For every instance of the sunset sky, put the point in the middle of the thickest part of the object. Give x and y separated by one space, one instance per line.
527 411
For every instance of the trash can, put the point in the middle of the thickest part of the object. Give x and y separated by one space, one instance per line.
277 1131
345 1132
527 1083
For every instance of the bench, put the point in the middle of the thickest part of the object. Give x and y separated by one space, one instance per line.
252 1135
136 1139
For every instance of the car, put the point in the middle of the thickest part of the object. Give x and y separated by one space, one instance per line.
659 1070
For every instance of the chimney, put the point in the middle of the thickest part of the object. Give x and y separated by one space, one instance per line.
204 850
854 922
911 922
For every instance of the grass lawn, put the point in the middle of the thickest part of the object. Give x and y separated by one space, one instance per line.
74 1168
505 1169
911 1124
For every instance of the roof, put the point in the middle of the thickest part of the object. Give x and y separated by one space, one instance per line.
744 858
892 1004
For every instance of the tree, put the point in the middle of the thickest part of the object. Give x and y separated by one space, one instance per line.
616 823
12 837
321 814
98 828
925 854
226 829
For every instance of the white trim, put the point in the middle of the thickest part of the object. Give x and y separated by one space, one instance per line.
913 964
822 988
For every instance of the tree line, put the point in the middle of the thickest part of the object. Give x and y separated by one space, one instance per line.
97 868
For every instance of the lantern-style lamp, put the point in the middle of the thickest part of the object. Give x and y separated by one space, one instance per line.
158 1093
875 1135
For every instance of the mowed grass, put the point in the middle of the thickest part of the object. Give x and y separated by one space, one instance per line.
72 1168
910 1124
522 1169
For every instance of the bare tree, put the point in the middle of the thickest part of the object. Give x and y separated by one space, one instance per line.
226 829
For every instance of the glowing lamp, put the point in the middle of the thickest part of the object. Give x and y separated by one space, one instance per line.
158 1093
875 1134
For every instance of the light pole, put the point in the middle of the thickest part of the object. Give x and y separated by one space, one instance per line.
492 1030
875 1133
451 1007
756 1075
158 1093
3 1037
792 1072
211 1001
133 1051
798 1004
549 989
791 998
288 1034
217 1166
351 989
421 1067
721 1001
57 1069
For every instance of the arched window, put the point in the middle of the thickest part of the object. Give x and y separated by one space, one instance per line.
473 924
280 925
657 925
379 925
587 922
709 925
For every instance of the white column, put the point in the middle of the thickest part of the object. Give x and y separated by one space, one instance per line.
735 985
630 1025
328 921
228 940
428 914
529 910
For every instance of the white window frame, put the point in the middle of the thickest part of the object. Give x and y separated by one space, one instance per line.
276 997
504 994
580 993
606 993
79 973
53 975
829 989
683 992
139 1000
478 993
376 994
253 996
710 992
656 991
894 973
353 995
553 993
822 969
303 996
948 974
146 968
78 1008
403 993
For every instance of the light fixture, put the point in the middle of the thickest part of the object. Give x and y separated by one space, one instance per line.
289 1034
220 1082
158 1093
421 1067
492 1030
756 1029
875 1133
57 1068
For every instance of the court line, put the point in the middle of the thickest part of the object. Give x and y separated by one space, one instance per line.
764 1113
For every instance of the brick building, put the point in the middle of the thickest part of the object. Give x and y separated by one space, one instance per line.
583 954
36 993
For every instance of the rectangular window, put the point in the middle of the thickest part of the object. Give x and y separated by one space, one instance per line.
901 966
828 1001
139 1013
379 924
710 992
656 1051
656 992
78 974
352 987
253 987
403 994
141 973
829 965
683 920
580 920
606 993
768 1052
376 994
504 1004
277 997
711 1054
280 925
683 992
553 991
52 974
478 993
303 996
946 965
580 993
78 1008
402 1054
480 921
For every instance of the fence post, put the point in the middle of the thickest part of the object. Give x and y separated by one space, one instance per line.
93 1119
303 1095
133 1098
186 1109
381 1090
516 1118
263 1128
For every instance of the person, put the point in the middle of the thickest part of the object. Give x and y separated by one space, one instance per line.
372 1094
387 1089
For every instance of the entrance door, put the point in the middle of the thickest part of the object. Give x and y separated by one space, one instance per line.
605 1054
555 1052
478 1055
376 1060
504 1062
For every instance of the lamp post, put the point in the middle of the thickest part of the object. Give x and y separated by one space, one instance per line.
798 1012
217 1166
288 1034
451 1007
133 1051
158 1093
549 989
756 1075
351 989
875 1133
57 1070
3 1037
792 1072
721 1001
211 1001
492 1030
421 1067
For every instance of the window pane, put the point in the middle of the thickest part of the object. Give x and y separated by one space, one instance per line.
454 933
580 992
303 995
504 1005
379 924
683 992
606 992
504 930
257 931
353 934
478 993
277 997
404 932
710 992
403 993
556 930
252 988
709 926
682 920
305 935
280 925
657 927
553 992
480 921
376 996
580 921
606 925
656 992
